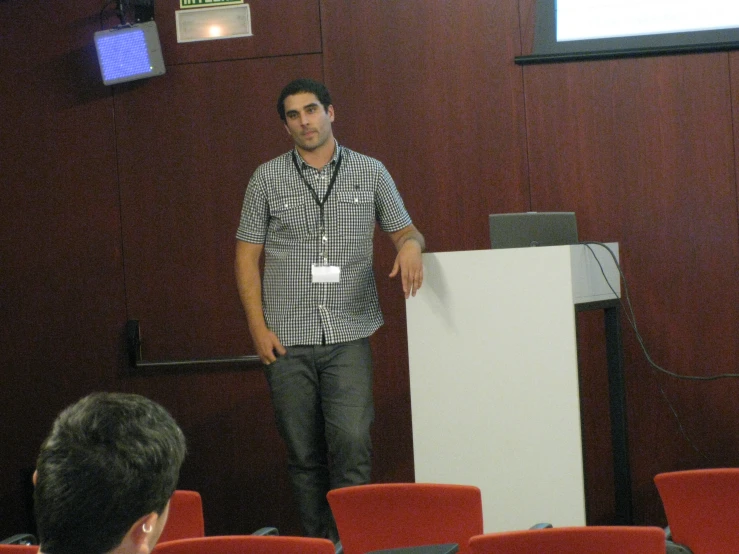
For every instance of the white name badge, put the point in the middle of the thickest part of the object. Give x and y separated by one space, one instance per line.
325 273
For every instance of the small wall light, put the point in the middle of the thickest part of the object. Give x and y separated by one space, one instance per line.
213 23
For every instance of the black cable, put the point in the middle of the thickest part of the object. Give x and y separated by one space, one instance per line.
121 10
632 321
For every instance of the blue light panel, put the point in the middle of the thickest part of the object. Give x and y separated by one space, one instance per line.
123 55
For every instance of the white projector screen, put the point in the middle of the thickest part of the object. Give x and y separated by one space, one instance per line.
568 30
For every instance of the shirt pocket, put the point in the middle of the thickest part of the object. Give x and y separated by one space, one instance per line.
289 220
356 213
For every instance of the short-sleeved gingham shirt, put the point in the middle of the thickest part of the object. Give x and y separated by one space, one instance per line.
280 212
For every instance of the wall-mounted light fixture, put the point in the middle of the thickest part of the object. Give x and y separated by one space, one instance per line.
213 23
129 52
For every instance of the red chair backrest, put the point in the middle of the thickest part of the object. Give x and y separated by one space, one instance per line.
246 544
394 515
18 549
573 540
701 507
185 519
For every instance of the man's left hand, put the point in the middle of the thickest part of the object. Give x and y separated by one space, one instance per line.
408 264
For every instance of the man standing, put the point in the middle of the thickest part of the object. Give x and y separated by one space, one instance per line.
312 213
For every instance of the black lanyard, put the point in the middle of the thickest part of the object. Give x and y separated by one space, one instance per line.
313 192
320 202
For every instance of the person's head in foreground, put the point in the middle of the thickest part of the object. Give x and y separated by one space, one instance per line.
105 475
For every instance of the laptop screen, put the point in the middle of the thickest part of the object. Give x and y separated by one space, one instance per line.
519 230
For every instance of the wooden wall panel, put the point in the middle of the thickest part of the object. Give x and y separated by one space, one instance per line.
734 71
188 143
430 89
643 151
61 274
527 14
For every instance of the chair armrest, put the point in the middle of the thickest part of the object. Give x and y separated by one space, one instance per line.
266 531
449 548
21 538
677 548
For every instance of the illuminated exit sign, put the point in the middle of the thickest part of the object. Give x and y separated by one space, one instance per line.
203 3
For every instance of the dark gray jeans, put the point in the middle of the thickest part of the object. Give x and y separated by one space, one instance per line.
322 396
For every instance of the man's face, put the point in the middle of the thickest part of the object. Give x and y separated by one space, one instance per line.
307 122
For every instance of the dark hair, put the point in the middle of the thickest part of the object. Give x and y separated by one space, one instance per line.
303 85
110 459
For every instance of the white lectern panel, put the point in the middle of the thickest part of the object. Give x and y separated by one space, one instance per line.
494 382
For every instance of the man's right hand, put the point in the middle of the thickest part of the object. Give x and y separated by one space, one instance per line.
268 345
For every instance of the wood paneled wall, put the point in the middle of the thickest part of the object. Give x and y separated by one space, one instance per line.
121 203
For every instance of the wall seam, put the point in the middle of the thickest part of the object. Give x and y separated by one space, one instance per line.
527 149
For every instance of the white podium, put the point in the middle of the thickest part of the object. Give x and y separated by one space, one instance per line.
494 379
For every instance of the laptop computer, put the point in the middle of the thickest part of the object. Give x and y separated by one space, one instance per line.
519 230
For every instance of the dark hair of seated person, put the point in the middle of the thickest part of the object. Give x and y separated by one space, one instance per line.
105 475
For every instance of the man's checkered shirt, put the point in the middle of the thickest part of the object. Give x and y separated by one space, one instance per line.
280 213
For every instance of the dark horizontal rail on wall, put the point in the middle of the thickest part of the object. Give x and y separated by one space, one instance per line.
133 345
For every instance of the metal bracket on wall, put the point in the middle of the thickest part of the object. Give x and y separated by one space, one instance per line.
133 345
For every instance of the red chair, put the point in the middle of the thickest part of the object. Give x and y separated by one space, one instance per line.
396 515
701 507
185 519
246 544
572 540
21 543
